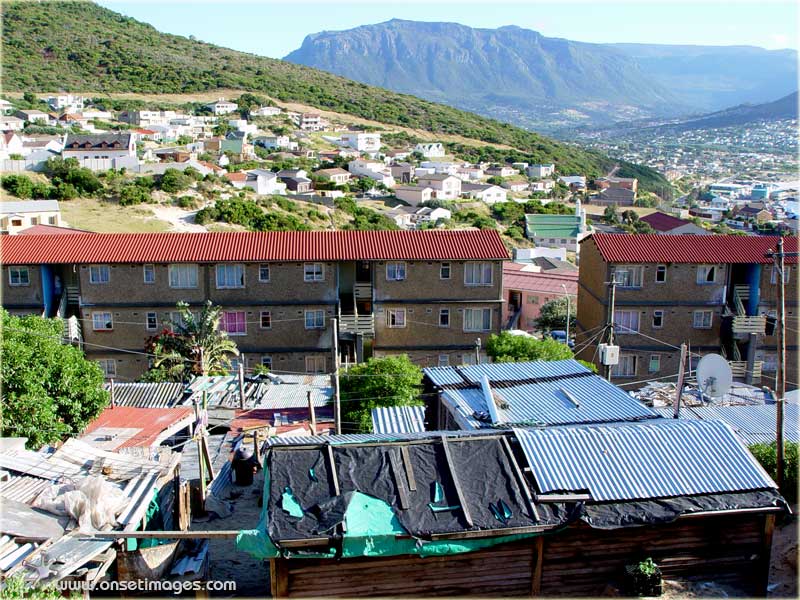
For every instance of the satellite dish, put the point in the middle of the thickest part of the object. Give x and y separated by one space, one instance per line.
714 377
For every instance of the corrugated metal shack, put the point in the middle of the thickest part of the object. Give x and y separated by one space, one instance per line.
554 511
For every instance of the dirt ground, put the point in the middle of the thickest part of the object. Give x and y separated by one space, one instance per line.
226 562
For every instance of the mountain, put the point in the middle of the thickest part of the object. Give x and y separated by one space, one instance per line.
85 48
712 78
783 108
520 73
549 83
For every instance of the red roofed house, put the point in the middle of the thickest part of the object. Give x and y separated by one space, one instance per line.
710 292
136 427
665 224
428 294
526 288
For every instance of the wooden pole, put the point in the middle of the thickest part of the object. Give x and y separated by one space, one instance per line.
780 374
311 413
337 405
610 320
241 385
256 446
113 402
679 387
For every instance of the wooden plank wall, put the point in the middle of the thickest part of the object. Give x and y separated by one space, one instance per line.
579 561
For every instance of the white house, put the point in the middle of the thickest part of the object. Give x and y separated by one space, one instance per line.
544 185
540 171
265 111
10 143
403 216
11 124
501 171
440 166
469 173
66 102
5 106
104 145
445 187
261 181
223 107
427 213
490 194
413 194
16 216
94 113
335 175
275 142
362 141
516 186
243 125
430 149
365 167
33 116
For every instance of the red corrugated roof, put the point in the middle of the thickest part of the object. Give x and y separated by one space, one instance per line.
252 247
150 422
653 248
663 222
51 230
528 281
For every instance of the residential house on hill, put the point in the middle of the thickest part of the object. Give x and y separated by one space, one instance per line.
362 141
430 149
756 212
103 145
541 171
222 107
500 171
262 181
665 224
10 123
575 183
19 215
615 197
557 231
413 194
485 192
627 183
33 116
336 175
10 143
710 292
296 180
402 171
445 187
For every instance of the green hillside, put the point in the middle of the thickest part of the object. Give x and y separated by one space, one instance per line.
82 47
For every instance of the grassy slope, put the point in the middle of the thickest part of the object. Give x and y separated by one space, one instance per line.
83 47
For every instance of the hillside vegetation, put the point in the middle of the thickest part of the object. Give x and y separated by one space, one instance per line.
82 47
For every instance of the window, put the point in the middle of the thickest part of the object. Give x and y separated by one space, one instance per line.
655 363
52 220
266 361
626 367
152 321
396 318
19 276
234 322
626 321
266 319
149 273
102 321
478 274
108 366
533 299
444 271
444 360
395 271
444 317
99 274
177 321
702 319
661 273
263 273
315 364
313 272
230 276
706 274
16 222
183 276
315 319
628 276
658 319
773 277
477 319
563 241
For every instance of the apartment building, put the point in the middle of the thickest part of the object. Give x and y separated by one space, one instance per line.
718 294
428 294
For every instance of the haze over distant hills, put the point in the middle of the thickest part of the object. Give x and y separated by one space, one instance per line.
524 77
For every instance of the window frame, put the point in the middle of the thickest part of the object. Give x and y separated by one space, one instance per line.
109 322
654 358
147 317
182 268
99 269
226 269
261 268
19 271
635 283
483 268
149 269
624 330
442 267
314 313
444 312
623 358
661 269
662 314
268 314
773 275
224 322
266 361
400 270
706 268
313 276
392 321
703 312
315 363
482 327
443 360
104 363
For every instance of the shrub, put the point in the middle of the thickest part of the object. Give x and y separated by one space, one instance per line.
133 194
186 202
173 181
19 185
767 455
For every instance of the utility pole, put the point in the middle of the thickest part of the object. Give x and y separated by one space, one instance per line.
610 320
337 403
241 385
478 351
567 326
311 413
679 388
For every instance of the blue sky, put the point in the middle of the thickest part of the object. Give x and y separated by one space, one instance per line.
272 28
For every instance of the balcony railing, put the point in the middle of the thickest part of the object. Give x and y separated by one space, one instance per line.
739 369
72 331
362 291
363 324
747 325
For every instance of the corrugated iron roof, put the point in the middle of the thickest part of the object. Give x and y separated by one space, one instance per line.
663 222
286 391
540 393
654 248
754 424
398 419
660 459
146 395
130 426
254 246
514 277
22 488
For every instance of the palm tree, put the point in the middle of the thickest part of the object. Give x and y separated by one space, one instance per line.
193 346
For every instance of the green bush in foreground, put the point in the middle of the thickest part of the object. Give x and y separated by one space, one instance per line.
767 455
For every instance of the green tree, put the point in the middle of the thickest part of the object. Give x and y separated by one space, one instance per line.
173 181
133 194
610 215
507 347
193 346
19 185
389 381
50 389
553 315
364 184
